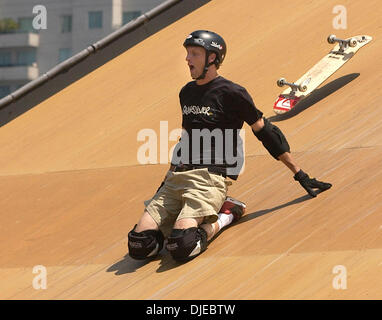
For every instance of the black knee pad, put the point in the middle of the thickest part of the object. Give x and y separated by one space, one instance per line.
145 244
185 244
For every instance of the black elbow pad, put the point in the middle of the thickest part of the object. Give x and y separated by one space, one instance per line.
272 139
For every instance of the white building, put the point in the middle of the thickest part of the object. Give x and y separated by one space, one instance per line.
71 26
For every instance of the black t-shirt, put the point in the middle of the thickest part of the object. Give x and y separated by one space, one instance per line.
212 116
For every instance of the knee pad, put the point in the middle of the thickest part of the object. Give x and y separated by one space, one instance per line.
145 244
185 244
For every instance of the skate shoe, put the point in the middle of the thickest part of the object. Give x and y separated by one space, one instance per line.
236 207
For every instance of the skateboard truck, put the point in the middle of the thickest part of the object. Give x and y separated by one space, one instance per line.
344 44
300 87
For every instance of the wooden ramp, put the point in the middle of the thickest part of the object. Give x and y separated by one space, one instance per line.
71 186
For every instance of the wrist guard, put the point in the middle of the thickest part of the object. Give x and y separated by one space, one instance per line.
309 184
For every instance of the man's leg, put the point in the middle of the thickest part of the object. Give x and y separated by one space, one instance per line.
231 211
146 223
189 236
145 239
187 239
210 228
204 194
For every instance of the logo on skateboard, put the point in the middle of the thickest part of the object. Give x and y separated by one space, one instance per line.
285 104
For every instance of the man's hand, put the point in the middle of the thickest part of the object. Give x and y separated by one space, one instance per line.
309 184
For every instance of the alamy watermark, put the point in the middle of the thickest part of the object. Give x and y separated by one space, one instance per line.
40 281
40 21
340 280
340 20
197 146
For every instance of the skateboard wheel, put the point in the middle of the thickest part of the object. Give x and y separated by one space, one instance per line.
331 38
302 88
352 42
281 82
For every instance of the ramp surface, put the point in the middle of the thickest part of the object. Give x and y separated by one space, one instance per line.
71 185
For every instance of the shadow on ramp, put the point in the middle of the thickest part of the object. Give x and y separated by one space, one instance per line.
260 213
130 265
256 214
316 96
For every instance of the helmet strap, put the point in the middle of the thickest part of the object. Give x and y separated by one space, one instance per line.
206 66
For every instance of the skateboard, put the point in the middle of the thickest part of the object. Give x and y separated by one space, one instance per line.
342 52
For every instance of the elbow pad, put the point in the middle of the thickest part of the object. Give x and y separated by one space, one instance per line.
272 139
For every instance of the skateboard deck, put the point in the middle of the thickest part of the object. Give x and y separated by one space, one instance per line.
342 52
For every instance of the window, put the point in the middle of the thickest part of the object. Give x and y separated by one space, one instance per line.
26 58
95 19
26 25
130 15
8 25
64 53
66 24
4 91
5 58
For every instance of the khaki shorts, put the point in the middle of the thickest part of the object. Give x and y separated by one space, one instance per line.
189 194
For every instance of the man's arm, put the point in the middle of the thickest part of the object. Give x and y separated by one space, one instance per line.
288 160
285 157
275 142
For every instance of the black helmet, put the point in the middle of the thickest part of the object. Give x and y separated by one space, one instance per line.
211 42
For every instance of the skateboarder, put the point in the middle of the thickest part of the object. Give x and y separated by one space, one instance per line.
185 208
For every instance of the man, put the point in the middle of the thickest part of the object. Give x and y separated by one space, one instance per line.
185 208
